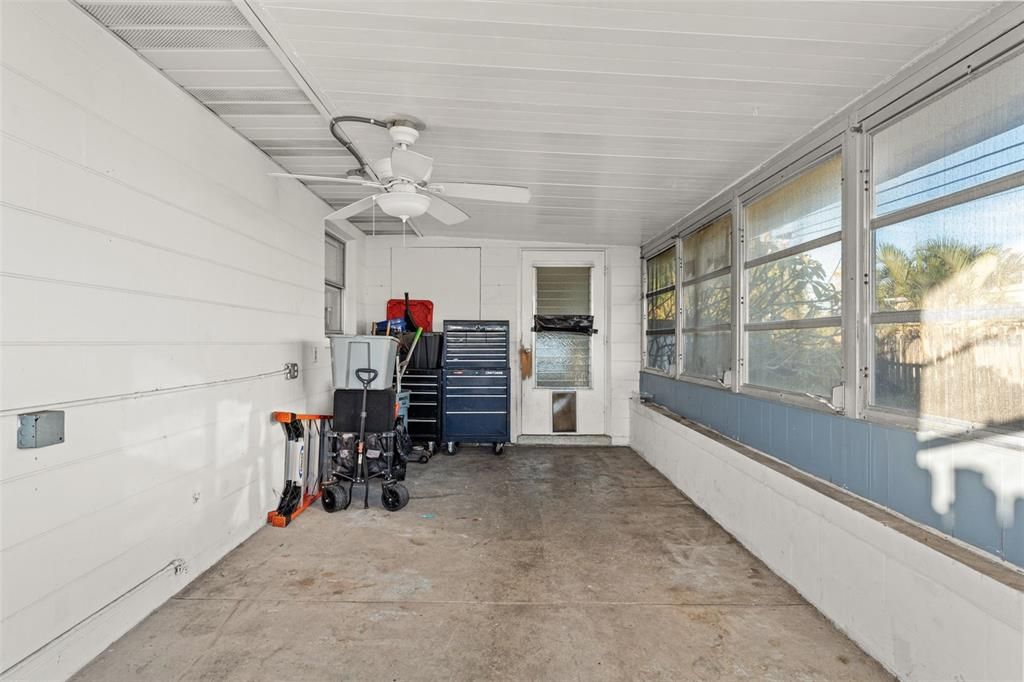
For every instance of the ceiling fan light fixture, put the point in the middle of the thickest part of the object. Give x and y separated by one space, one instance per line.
403 205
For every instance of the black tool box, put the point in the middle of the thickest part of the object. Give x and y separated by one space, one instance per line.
424 386
476 383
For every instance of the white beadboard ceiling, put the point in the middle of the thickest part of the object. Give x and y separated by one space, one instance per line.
621 117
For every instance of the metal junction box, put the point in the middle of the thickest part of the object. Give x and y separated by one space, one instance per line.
39 429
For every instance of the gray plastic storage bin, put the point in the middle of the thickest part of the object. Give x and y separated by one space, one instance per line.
349 353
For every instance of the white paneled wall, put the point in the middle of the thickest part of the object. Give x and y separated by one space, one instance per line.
143 247
499 296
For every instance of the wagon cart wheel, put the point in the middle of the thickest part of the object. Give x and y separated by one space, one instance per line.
394 497
334 498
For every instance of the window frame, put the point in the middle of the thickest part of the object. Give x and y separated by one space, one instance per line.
645 295
335 285
727 382
869 318
850 133
823 153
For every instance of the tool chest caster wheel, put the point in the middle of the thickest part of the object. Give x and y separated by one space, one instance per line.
334 498
498 447
394 497
450 448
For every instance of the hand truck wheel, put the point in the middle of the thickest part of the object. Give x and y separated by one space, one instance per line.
394 497
334 498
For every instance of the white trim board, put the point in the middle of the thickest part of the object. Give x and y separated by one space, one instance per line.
922 612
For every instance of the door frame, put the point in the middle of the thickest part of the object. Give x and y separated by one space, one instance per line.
566 257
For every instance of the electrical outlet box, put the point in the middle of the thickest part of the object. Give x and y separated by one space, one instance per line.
39 429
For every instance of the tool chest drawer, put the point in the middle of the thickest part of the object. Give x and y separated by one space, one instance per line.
476 405
469 343
424 387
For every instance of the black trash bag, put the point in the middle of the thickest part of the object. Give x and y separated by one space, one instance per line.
573 324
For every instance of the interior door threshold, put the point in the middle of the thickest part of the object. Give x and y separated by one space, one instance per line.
563 439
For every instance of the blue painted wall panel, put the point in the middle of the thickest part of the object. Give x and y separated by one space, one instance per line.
888 465
878 465
1013 535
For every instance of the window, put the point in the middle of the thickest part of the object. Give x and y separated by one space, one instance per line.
660 296
562 358
794 283
706 290
947 232
334 284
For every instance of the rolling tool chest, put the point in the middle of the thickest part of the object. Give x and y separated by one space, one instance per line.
424 386
475 383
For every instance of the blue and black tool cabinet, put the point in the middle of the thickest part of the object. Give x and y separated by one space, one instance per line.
476 386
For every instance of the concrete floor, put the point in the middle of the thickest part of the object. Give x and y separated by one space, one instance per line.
542 564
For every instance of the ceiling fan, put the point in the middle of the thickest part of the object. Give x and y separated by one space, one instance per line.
404 189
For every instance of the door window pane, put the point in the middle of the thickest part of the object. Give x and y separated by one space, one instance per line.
563 360
563 291
797 360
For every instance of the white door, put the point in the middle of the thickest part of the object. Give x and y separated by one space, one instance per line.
565 393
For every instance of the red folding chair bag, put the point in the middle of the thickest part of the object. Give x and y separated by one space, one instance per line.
422 312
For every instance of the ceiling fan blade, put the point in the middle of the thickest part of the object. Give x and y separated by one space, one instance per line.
449 214
409 164
326 178
475 190
356 207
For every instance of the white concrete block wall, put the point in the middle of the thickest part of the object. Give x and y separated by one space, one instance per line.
142 247
500 295
922 614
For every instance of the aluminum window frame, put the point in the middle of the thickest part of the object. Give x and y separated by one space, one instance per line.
834 147
870 317
335 285
975 49
674 247
724 382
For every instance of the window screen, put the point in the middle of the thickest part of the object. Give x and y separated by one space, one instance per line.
562 359
334 284
948 245
794 283
706 290
660 297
